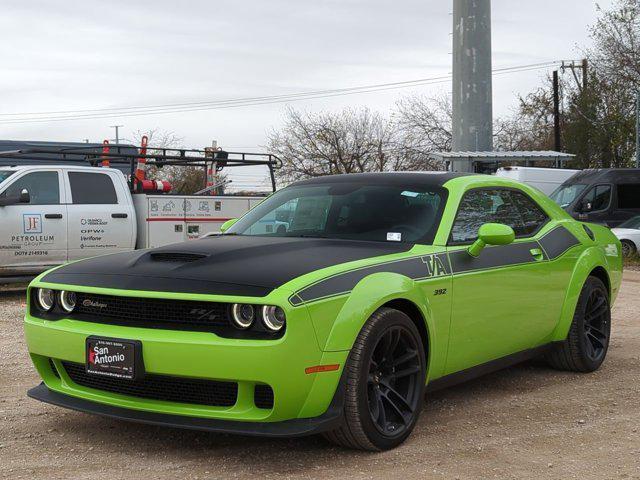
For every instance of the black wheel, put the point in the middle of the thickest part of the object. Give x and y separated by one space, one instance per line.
586 346
628 248
386 373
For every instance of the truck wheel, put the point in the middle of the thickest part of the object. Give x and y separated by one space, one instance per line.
586 345
628 248
385 380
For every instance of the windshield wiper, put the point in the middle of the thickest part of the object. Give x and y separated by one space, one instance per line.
306 236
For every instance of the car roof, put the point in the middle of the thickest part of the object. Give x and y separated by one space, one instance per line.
423 179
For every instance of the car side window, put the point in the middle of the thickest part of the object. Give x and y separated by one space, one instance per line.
43 188
598 197
508 207
92 189
533 217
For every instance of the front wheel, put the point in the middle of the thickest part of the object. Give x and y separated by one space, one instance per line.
586 345
385 381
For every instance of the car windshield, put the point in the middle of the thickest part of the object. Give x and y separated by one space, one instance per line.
566 194
4 174
633 223
348 211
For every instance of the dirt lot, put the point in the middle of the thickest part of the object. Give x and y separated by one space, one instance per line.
526 422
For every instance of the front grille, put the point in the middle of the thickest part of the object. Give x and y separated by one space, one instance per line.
152 312
263 396
159 387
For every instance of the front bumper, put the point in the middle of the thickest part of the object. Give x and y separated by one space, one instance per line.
288 428
281 363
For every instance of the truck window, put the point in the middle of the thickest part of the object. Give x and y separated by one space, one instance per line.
629 195
43 187
92 189
599 197
4 174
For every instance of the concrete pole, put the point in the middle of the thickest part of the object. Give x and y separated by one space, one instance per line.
472 88
638 128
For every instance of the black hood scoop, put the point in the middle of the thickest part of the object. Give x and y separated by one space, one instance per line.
176 257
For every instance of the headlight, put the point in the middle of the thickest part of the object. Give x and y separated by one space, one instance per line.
68 301
273 317
243 315
46 298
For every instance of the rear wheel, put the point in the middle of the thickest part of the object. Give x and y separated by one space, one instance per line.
587 343
628 248
385 380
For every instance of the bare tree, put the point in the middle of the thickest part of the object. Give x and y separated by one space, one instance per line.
425 123
616 37
317 144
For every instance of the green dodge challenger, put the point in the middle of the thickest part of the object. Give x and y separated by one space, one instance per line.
329 308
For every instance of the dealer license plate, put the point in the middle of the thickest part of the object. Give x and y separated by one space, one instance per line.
112 357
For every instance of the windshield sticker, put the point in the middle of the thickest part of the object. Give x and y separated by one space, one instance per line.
394 237
410 194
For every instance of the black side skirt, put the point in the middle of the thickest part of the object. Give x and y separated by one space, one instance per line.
289 428
486 368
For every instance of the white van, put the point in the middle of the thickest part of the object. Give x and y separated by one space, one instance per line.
50 215
545 179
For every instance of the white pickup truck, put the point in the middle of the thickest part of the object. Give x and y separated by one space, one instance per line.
53 214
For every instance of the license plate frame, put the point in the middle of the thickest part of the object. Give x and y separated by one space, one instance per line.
114 358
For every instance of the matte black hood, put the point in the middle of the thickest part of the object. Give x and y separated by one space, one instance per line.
225 265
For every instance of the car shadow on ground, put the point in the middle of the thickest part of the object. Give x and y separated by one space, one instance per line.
112 436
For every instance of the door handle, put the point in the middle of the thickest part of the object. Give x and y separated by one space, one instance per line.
537 253
119 215
53 216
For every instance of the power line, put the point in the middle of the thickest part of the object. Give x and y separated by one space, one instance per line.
240 102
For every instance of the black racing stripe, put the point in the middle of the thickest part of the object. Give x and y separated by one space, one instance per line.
493 257
416 268
225 265
157 284
557 242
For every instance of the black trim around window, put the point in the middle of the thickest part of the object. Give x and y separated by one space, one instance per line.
452 243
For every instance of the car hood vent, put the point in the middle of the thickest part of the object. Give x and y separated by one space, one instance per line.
181 257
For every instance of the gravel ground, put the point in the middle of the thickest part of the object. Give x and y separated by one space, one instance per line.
524 422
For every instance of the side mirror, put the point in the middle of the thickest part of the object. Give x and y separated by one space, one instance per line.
24 196
586 207
491 234
227 225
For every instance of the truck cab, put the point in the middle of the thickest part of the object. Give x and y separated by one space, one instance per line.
606 196
54 214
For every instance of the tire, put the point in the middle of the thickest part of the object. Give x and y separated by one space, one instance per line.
385 381
586 345
628 248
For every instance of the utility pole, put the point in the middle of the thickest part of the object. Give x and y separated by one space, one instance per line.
117 127
556 112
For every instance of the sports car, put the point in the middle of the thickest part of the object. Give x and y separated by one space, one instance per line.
381 287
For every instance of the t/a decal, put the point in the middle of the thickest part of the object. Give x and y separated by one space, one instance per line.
435 267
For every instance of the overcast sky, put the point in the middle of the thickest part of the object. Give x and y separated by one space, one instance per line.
74 55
